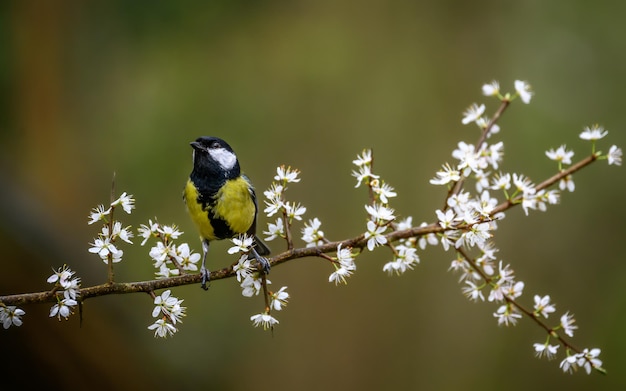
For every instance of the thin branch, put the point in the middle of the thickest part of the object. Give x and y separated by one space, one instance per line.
490 280
456 189
547 183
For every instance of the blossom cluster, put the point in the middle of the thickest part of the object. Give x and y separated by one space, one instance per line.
11 315
252 282
170 259
278 300
64 279
168 311
344 265
312 234
382 218
104 245
469 221
276 203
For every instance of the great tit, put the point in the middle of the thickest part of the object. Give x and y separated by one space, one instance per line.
221 200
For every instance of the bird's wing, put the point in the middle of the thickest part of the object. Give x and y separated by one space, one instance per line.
260 247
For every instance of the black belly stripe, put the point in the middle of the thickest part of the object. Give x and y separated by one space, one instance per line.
220 228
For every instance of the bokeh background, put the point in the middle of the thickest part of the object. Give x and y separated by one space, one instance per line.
93 88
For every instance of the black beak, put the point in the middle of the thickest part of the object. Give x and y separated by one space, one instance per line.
195 145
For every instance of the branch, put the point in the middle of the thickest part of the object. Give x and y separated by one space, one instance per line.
548 182
288 255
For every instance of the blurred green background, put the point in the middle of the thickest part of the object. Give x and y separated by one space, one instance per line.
92 88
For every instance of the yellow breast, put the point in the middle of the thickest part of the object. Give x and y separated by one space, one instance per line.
234 205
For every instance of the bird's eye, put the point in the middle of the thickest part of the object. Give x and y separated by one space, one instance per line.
214 145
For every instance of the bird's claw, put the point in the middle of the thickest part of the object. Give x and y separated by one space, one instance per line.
262 263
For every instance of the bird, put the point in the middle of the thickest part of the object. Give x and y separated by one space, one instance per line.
221 200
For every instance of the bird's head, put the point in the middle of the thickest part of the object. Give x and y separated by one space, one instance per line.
213 156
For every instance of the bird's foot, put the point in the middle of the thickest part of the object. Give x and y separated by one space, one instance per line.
206 277
264 264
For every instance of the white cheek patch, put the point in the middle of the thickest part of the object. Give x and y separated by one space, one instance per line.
224 158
